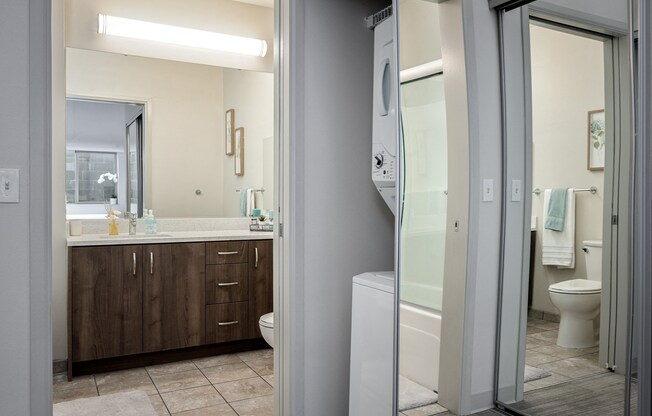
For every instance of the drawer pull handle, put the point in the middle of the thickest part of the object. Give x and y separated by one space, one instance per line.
151 262
226 253
227 323
228 284
256 250
133 269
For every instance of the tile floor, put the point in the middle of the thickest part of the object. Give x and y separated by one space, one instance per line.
223 385
564 364
242 384
433 409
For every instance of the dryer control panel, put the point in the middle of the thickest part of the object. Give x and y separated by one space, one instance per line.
383 169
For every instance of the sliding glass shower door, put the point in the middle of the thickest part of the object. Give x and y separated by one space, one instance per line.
423 224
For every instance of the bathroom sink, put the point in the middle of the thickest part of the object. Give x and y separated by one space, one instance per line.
135 236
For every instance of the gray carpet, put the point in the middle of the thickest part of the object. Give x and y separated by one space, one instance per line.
132 403
533 373
411 395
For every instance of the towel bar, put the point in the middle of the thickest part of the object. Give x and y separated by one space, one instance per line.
255 190
592 189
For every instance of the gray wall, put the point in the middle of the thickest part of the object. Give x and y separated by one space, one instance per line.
341 227
25 364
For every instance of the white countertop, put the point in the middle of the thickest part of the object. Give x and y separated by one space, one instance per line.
167 237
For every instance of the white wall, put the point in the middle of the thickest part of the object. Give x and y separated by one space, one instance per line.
471 270
251 95
184 139
419 34
223 16
338 225
567 82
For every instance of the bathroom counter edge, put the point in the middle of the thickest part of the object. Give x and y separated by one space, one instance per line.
168 237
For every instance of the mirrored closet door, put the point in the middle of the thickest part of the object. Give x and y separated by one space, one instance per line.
565 333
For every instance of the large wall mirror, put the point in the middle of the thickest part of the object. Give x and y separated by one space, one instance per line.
173 157
565 339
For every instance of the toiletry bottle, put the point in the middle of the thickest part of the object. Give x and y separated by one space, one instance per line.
148 222
153 221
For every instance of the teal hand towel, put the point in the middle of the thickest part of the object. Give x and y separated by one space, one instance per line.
243 202
556 210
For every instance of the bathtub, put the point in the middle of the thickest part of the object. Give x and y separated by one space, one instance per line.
420 335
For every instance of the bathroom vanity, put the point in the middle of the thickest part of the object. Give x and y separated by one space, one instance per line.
140 300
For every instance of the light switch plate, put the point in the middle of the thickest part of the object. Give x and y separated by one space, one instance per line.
516 190
9 186
487 190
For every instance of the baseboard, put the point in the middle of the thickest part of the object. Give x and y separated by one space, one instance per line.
164 357
59 366
542 315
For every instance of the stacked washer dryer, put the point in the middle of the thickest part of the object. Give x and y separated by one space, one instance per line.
372 320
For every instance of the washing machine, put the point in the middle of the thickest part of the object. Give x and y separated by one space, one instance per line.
372 345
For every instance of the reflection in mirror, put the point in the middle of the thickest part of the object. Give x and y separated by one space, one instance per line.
424 186
563 343
176 162
102 143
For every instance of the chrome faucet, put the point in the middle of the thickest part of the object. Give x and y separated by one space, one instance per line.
132 223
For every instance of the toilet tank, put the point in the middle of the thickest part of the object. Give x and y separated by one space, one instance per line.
593 256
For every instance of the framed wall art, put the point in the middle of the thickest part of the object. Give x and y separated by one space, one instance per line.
239 151
596 140
229 123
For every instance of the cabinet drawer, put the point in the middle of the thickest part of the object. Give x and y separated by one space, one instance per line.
227 322
227 252
227 283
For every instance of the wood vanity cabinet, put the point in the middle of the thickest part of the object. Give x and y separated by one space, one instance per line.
227 291
107 305
173 296
238 289
261 282
133 299
139 298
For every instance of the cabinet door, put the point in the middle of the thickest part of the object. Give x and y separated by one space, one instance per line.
106 301
174 303
260 282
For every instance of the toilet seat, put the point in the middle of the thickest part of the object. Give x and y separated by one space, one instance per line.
267 320
577 287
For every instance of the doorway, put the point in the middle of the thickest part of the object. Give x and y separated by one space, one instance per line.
563 337
104 157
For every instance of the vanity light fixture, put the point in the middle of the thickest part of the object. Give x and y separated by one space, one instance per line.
156 32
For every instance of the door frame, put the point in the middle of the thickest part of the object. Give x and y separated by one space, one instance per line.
625 240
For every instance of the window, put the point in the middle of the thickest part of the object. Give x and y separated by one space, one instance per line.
91 177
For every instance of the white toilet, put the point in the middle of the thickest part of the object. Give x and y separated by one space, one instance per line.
578 301
266 324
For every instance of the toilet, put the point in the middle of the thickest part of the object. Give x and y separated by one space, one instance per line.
266 324
578 301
